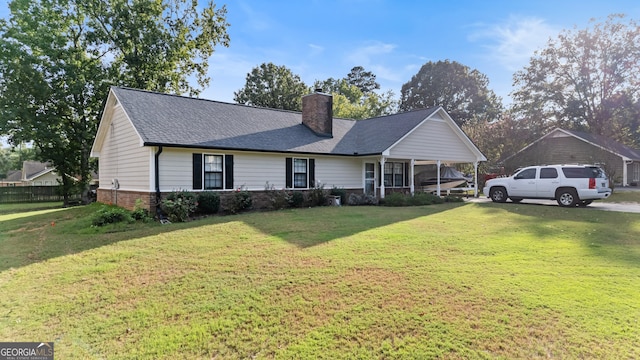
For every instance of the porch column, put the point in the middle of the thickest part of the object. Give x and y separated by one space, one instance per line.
411 181
382 161
438 179
624 173
475 179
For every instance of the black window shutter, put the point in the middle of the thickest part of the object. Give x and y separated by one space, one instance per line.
289 173
312 172
406 174
380 174
197 171
228 171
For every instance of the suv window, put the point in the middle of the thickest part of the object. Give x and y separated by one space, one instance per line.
577 172
526 174
597 172
548 173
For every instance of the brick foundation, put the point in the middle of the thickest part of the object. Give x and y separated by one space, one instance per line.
127 199
261 200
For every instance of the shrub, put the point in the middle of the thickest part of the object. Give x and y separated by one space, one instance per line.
339 192
317 196
394 199
296 199
421 198
208 202
452 198
363 199
111 215
139 212
279 199
241 201
179 206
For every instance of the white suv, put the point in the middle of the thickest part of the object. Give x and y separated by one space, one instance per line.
570 185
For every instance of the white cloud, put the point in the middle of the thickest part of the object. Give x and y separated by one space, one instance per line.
363 55
512 43
228 71
315 50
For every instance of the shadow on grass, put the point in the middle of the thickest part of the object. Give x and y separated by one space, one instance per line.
614 236
310 227
31 239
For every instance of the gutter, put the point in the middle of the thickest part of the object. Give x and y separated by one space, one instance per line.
157 175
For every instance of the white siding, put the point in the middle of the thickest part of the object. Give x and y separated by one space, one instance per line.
253 170
342 172
433 140
123 158
48 179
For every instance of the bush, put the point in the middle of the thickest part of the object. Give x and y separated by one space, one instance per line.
317 196
363 199
179 206
394 199
139 212
452 198
421 198
208 202
241 201
111 214
339 192
296 199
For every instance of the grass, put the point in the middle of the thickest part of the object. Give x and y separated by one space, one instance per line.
446 281
25 207
624 196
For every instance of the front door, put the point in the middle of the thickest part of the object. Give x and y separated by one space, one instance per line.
369 178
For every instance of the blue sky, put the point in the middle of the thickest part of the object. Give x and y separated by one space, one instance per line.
321 39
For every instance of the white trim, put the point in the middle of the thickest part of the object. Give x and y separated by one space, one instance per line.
454 127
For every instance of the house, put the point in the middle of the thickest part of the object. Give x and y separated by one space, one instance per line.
33 173
561 146
150 144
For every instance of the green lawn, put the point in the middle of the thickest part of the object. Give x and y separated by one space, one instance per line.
23 207
443 281
624 196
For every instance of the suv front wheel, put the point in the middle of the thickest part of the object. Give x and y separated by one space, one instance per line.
567 197
498 194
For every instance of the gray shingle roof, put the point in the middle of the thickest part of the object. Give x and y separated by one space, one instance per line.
608 144
171 120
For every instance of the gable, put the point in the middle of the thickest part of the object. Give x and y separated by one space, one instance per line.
437 138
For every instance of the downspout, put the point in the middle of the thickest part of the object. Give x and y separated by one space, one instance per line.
157 176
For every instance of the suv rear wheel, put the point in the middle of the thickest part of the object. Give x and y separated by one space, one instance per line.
567 197
498 194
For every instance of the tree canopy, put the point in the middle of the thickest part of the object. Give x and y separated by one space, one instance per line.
585 80
272 86
362 79
58 59
354 96
461 91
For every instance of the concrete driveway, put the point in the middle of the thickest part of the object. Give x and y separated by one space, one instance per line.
599 205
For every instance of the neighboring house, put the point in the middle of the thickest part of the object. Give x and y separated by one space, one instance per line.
14 178
33 173
149 144
560 146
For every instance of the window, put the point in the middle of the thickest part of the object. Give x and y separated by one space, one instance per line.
394 174
299 173
213 172
548 173
526 174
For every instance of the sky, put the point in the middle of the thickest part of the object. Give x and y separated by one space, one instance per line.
393 39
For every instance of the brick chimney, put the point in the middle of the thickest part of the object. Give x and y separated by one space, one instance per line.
317 112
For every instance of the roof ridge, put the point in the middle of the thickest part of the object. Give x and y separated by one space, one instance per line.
207 100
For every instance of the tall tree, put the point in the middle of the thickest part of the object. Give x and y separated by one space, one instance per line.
272 86
58 58
461 91
362 79
585 80
351 102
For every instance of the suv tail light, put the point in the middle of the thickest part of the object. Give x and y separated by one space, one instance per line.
592 183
